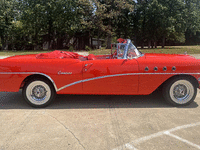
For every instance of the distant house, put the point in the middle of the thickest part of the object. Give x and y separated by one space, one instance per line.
78 42
95 43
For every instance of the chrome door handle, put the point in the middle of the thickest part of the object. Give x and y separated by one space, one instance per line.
88 64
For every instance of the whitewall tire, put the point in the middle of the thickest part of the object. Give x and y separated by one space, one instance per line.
38 93
180 91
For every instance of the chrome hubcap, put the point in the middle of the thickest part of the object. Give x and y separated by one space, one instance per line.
38 92
181 91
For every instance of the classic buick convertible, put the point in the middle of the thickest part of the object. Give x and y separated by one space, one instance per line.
127 71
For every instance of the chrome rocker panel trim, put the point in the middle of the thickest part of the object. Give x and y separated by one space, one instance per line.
90 79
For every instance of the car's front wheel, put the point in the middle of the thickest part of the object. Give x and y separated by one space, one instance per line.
180 91
38 93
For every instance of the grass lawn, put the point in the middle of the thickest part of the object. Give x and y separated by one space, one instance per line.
167 49
174 50
11 53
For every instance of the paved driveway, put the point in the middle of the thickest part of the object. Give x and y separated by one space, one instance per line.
75 122
196 56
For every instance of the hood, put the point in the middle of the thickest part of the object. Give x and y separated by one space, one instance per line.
168 56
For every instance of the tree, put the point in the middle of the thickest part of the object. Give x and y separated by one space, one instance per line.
48 20
158 20
7 16
192 21
109 14
28 24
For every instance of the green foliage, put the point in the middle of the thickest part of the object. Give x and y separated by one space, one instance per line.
87 48
28 24
157 20
71 48
48 19
7 14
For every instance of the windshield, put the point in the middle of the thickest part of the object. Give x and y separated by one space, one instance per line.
127 50
121 50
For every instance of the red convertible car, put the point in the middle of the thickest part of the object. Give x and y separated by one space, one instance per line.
127 71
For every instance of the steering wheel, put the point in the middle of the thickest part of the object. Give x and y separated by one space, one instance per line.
131 54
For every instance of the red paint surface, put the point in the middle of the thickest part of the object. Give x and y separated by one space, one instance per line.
140 82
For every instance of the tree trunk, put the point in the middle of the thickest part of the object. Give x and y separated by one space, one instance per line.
163 42
1 42
5 46
60 42
88 40
91 42
49 34
12 44
135 41
108 41
149 44
35 47
142 46
35 40
2 39
109 36
152 44
98 39
155 44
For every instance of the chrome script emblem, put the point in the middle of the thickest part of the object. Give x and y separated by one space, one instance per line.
60 72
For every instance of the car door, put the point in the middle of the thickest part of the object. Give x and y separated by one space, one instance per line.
110 76
67 75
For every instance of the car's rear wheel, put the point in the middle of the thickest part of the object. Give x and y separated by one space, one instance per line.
38 93
180 91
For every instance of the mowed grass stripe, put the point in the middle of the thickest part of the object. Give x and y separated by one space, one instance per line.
166 50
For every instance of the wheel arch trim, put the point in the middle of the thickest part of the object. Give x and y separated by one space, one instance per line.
41 74
52 81
183 75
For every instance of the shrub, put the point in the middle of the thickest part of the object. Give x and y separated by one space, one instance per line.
71 48
87 48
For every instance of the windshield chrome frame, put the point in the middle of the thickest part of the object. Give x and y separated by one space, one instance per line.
139 54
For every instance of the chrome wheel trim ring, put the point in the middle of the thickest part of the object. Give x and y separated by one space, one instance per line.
181 91
38 92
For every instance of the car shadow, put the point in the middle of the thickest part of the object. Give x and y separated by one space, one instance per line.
10 100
